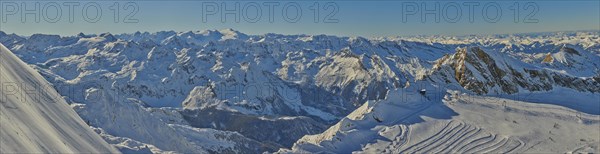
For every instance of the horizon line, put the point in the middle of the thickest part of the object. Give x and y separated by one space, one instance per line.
275 33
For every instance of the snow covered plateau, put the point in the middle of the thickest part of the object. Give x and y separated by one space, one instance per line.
223 91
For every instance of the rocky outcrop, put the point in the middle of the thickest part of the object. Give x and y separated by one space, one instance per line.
488 72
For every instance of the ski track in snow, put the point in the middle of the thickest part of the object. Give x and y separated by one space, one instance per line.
459 137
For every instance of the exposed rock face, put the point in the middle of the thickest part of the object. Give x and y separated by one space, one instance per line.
484 72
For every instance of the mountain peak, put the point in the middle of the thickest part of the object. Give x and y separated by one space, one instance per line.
232 34
231 30
82 35
569 50
45 37
108 36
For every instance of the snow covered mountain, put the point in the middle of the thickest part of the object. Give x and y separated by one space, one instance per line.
35 118
485 72
222 90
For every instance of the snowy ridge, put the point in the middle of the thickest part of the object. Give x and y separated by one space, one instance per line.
35 119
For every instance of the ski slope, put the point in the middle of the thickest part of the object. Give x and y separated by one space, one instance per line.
459 123
34 118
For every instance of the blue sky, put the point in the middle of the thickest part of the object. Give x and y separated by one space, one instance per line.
350 18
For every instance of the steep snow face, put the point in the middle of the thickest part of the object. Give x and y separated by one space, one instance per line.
460 123
35 118
350 74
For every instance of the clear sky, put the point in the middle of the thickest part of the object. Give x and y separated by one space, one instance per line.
343 18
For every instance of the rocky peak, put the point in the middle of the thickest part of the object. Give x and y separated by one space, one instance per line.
108 37
44 37
485 72
82 35
569 50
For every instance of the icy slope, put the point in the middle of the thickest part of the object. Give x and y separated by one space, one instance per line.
34 118
458 124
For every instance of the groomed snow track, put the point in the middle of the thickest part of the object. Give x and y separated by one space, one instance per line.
459 137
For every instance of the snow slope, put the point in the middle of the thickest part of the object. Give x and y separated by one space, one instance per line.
34 118
460 123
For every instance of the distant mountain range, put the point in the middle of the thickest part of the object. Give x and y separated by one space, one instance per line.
226 91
